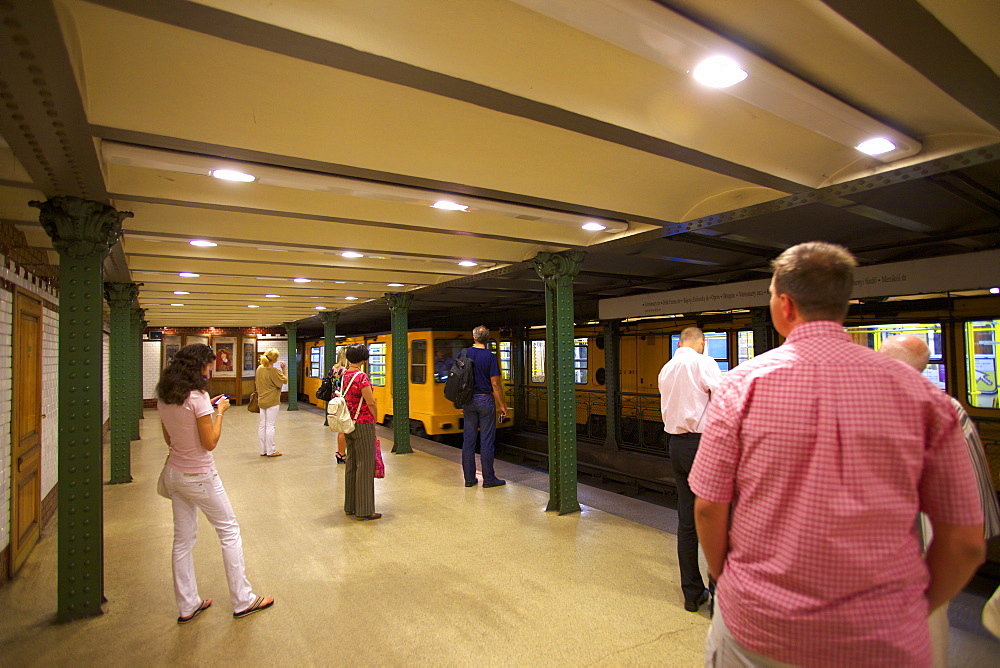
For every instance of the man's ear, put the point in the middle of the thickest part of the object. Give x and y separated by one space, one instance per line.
789 311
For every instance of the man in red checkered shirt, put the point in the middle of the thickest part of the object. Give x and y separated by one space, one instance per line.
815 459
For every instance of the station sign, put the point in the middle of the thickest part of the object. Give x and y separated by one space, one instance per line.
969 271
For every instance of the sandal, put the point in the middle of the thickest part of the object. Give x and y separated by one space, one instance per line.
373 516
341 459
260 603
277 454
205 605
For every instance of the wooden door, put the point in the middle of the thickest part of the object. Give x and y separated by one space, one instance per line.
26 429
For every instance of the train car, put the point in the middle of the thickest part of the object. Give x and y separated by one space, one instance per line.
430 355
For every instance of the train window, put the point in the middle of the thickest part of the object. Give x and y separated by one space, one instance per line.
538 361
715 347
981 359
504 359
445 352
744 346
580 361
316 362
873 336
376 363
418 361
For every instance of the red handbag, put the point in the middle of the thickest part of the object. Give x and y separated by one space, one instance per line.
379 464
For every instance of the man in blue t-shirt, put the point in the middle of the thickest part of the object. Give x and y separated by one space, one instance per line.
480 413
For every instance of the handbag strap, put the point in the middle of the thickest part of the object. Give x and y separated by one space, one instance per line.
360 399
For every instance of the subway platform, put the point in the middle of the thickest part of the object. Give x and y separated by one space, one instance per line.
449 576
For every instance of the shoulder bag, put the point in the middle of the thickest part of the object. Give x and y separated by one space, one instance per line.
338 418
253 406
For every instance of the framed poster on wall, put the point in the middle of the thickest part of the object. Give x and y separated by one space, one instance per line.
249 355
171 344
192 339
225 357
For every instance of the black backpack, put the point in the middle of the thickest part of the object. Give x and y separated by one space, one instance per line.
325 390
458 389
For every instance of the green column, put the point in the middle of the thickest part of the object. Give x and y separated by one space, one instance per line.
135 405
399 307
557 271
329 320
612 381
83 233
763 331
293 368
120 297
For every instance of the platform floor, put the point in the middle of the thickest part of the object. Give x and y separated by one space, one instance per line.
449 576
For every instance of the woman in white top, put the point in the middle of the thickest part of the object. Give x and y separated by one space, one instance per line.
193 483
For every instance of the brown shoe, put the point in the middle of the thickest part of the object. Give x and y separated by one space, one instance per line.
277 454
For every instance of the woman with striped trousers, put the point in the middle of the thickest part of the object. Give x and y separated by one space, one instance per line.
359 479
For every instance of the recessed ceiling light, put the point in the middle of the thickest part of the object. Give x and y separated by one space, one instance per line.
203 243
395 285
272 295
233 175
719 72
177 304
320 308
351 254
302 280
181 292
449 206
188 274
468 263
876 146
995 291
594 226
252 306
351 299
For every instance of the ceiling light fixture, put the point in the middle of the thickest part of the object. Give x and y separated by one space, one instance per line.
876 146
351 254
302 280
203 243
272 296
177 304
468 263
449 205
719 72
351 299
181 292
995 291
674 41
594 226
252 306
320 308
395 285
188 274
233 175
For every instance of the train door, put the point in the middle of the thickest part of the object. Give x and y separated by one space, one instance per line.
379 354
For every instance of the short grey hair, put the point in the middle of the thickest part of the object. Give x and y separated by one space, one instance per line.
818 276
481 334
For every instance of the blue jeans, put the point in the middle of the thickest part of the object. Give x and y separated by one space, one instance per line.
480 415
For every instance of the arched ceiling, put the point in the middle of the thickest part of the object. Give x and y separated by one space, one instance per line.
539 115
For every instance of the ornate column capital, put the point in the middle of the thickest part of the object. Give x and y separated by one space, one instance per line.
553 266
329 317
121 294
290 328
398 300
80 228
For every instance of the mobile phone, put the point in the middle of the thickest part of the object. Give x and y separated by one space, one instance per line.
216 402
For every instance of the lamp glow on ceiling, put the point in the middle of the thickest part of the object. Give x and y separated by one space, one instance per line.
203 243
995 291
302 280
351 254
233 175
320 308
272 296
181 292
449 206
876 146
719 72
394 285
188 274
468 263
252 306
351 299
594 226
177 304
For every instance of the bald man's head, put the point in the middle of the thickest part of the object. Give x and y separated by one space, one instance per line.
907 348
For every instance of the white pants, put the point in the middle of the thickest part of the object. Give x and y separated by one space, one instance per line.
265 429
189 492
722 650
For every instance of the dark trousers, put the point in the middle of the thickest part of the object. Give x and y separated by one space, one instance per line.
683 448
480 415
359 478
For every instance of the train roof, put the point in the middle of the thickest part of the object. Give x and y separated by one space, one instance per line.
538 116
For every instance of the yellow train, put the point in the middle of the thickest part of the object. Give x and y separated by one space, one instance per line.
431 353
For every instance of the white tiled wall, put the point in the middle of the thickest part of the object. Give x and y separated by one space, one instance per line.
150 368
50 400
106 400
281 345
6 311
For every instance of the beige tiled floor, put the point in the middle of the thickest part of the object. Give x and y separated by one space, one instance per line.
449 576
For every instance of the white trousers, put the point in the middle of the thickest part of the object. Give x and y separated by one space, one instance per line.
188 493
265 429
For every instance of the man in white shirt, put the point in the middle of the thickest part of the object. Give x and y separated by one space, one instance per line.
686 384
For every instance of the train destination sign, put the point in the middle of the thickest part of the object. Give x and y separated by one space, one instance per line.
970 271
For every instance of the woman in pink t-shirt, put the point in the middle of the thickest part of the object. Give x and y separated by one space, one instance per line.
193 483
